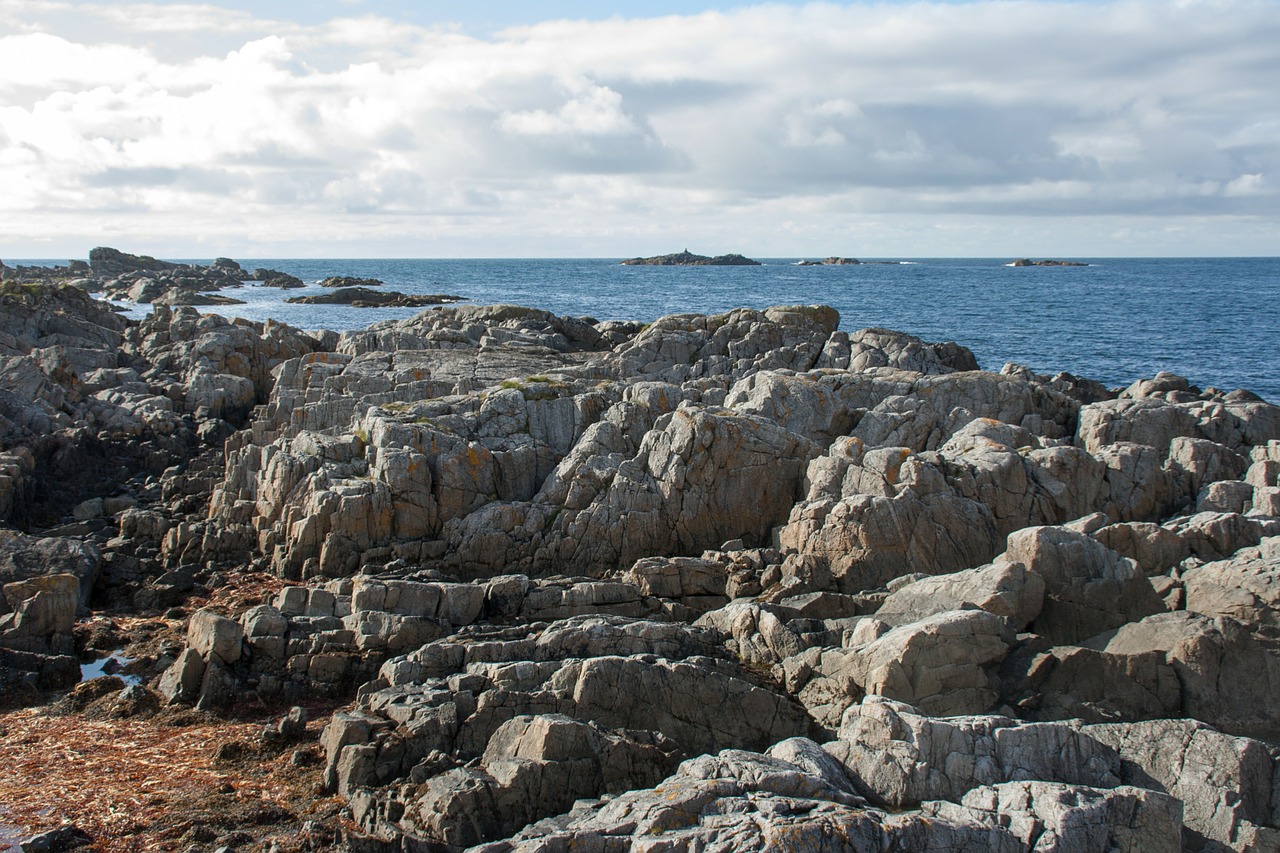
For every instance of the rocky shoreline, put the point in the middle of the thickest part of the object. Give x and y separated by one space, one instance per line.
538 583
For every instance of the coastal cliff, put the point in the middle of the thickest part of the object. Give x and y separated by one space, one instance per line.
710 582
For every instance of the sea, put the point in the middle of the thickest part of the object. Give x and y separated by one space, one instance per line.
1215 321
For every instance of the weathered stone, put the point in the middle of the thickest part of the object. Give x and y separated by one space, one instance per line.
1154 548
211 635
40 607
1088 589
900 758
1050 816
761 637
1226 784
1215 536
944 664
1245 588
181 681
1228 676
25 557
1004 589
1070 682
263 621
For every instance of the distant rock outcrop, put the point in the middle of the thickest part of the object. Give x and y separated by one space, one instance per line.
350 281
107 262
363 297
275 278
830 262
688 259
1027 262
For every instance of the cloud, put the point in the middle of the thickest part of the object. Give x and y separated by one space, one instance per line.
736 120
174 17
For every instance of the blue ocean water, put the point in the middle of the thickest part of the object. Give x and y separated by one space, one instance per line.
1214 320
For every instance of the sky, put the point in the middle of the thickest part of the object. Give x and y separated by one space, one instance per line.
373 128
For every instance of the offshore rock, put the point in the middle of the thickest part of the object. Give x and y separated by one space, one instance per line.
363 297
688 259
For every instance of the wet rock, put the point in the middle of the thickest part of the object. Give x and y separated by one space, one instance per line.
66 837
363 297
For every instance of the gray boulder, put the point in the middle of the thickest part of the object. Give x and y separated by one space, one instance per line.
1007 590
1245 587
900 758
1227 785
1088 588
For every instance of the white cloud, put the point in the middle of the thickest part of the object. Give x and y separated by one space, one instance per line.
813 116
1245 185
591 111
174 17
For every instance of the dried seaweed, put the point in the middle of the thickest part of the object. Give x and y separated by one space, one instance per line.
141 784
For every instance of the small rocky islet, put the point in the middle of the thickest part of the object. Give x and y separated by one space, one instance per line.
689 259
494 579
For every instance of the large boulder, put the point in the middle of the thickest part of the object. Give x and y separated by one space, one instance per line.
901 758
944 664
212 635
40 607
533 767
1245 587
1049 816
1088 588
1227 785
1229 677
1004 589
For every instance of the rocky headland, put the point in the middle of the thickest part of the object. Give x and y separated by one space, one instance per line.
499 580
689 259
142 279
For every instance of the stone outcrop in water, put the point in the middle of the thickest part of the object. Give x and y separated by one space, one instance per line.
689 259
1027 262
743 581
350 281
363 297
275 278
